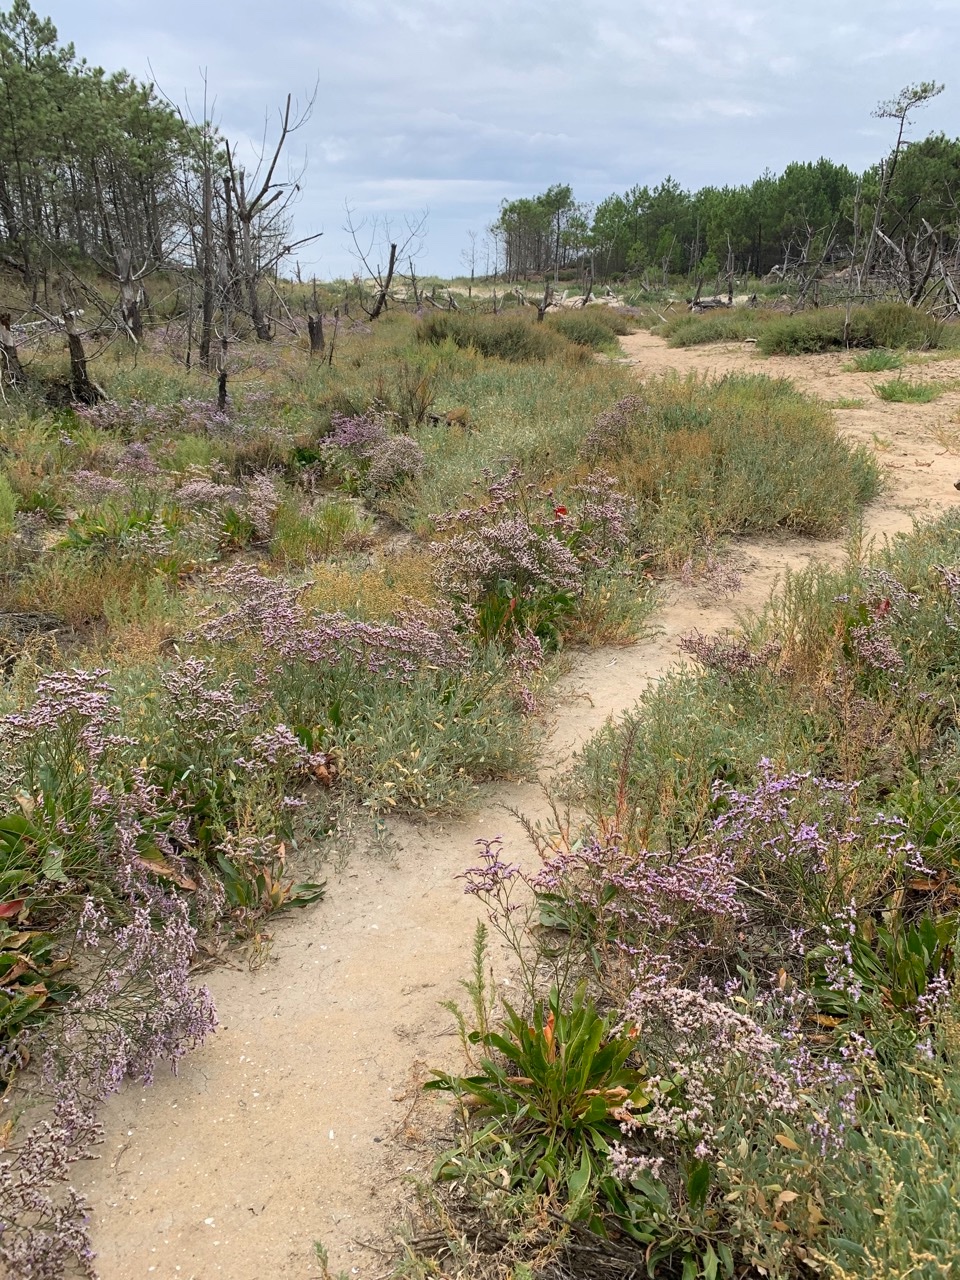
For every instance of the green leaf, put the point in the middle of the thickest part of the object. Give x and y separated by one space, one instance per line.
579 1180
52 866
698 1182
710 1263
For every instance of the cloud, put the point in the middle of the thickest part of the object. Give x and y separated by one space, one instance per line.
457 106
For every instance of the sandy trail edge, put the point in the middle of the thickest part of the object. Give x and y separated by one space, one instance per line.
296 1122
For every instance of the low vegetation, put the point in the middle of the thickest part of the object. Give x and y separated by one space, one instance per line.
886 325
217 655
909 391
739 1052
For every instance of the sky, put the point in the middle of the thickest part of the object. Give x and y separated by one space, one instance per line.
451 106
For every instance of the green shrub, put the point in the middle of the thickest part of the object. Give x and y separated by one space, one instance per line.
744 453
508 336
905 391
583 328
884 324
803 334
737 325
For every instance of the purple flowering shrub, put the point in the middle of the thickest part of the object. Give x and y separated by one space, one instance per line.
778 938
92 852
368 457
705 1071
521 559
415 714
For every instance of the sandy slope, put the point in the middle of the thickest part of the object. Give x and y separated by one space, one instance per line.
301 1119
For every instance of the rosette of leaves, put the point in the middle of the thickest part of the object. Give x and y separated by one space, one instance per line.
548 1100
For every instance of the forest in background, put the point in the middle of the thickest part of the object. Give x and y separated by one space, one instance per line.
97 168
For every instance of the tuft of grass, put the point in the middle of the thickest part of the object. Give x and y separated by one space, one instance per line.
8 507
334 526
847 402
510 336
583 329
745 454
736 325
907 391
876 360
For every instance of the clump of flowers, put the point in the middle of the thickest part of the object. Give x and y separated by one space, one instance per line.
394 460
272 612
520 559
88 816
364 450
610 432
92 487
716 575
732 659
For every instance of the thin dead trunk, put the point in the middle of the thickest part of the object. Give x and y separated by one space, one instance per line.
315 330
208 266
387 280
84 389
129 295
11 370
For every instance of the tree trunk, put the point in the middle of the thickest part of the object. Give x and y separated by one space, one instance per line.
11 370
208 266
129 295
381 301
234 273
85 390
315 330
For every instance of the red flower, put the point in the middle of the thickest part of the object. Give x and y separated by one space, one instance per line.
559 512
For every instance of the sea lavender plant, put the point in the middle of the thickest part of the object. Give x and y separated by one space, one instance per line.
393 460
609 435
271 612
730 658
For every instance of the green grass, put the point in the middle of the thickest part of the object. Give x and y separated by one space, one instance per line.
907 391
745 454
596 327
876 360
511 336
883 325
736 325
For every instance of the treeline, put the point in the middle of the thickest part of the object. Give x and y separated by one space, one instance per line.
98 168
810 212
89 162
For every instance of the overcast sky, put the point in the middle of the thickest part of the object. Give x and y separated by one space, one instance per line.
454 105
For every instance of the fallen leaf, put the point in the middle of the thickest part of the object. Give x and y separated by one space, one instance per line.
160 867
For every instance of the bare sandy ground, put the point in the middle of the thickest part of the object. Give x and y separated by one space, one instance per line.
302 1120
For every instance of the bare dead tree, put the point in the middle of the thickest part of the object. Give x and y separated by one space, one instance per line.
544 302
11 370
82 386
315 324
469 259
261 206
381 242
131 292
333 336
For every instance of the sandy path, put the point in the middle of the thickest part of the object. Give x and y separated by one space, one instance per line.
301 1118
